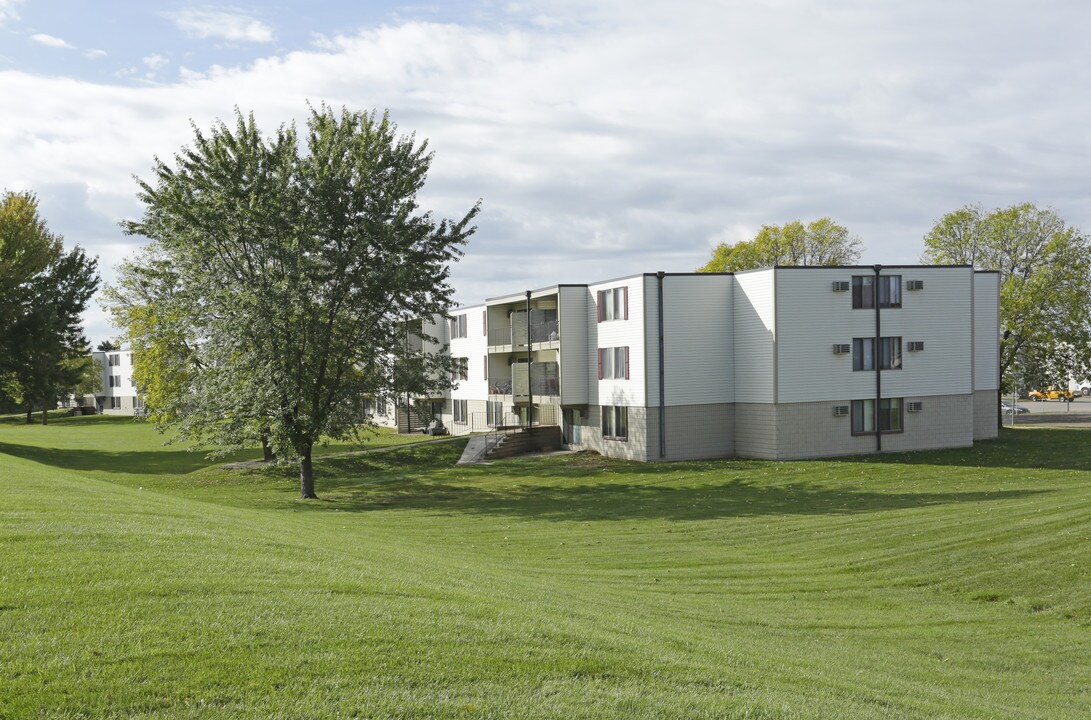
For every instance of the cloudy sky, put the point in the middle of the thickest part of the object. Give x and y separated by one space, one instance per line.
604 138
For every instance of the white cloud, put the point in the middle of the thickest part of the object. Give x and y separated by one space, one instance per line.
156 61
233 26
50 41
8 10
94 53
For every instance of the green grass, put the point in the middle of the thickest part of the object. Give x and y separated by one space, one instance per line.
142 581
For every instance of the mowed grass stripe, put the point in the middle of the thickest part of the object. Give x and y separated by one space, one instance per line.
549 588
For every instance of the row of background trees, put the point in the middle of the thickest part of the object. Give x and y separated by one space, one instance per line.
1044 266
44 290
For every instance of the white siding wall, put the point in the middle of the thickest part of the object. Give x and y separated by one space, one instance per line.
123 370
572 315
752 299
811 318
697 339
986 331
617 333
474 347
940 315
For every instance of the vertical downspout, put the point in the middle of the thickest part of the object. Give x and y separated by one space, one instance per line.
530 361
878 357
662 374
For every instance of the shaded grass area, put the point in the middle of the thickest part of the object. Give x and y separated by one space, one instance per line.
946 584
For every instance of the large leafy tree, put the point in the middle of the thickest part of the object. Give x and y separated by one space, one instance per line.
822 242
1045 285
280 277
43 294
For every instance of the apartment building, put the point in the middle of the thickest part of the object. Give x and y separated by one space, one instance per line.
118 394
779 363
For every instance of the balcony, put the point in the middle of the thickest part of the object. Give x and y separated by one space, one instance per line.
543 380
542 329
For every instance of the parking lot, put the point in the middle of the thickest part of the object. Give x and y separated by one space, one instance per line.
1052 412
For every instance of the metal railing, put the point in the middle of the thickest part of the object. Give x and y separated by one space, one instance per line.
516 335
508 425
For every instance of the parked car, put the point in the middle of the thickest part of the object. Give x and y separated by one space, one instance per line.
1007 408
1050 394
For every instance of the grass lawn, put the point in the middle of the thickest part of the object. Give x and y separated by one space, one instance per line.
143 581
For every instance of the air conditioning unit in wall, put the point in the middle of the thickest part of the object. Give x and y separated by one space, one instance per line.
916 345
840 410
914 284
841 286
914 406
842 348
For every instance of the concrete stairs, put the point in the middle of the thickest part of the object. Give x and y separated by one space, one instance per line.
521 442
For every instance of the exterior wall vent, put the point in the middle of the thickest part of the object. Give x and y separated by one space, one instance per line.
914 284
914 406
841 286
840 410
916 345
842 349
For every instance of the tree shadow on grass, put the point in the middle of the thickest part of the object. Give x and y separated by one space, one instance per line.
593 488
135 462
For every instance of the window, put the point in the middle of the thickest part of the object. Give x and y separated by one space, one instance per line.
115 381
614 363
613 304
115 403
863 416
113 360
459 407
890 353
485 367
615 422
484 322
458 326
461 370
863 291
132 382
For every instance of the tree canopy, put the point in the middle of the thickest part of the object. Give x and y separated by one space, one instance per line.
1045 285
822 242
280 278
43 293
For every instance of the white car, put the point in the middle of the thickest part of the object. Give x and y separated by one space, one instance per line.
1008 409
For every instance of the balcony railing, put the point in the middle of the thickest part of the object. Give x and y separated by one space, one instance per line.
543 381
543 328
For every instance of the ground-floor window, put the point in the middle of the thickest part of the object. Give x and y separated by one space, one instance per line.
460 410
863 416
115 403
615 422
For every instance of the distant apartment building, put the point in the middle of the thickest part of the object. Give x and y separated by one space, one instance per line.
118 394
779 363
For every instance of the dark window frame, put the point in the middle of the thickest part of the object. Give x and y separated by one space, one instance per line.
863 412
618 419
865 293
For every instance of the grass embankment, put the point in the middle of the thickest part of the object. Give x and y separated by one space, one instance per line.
139 581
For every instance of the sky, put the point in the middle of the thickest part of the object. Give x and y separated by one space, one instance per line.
602 138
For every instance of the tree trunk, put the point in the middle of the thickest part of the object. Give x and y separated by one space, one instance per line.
266 451
30 417
306 476
45 416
